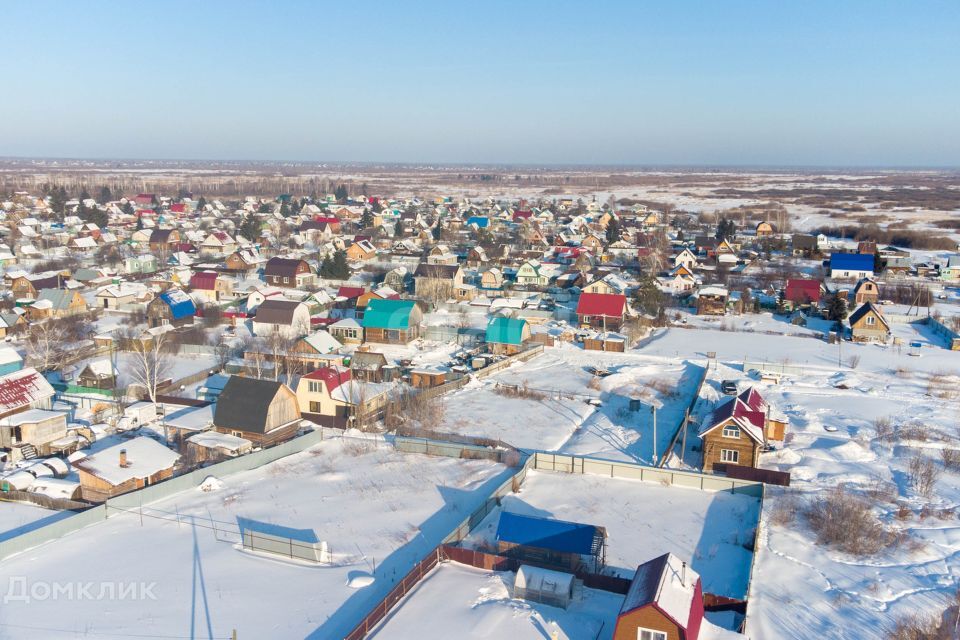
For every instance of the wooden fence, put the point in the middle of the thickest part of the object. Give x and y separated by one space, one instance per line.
58 504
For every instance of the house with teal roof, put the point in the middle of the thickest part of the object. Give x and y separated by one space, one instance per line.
389 321
507 335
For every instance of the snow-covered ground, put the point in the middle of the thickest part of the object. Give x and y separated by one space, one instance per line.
562 415
457 601
644 520
378 510
17 518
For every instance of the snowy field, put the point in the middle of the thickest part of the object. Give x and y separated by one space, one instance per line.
457 601
562 416
803 589
644 520
378 510
17 518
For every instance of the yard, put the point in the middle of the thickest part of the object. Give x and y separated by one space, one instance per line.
378 511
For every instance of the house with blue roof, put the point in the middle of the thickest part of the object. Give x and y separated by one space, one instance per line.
507 335
552 544
481 222
390 321
851 266
172 307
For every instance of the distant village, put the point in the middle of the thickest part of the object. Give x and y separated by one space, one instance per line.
150 335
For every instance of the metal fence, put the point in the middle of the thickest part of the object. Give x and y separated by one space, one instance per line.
773 367
543 461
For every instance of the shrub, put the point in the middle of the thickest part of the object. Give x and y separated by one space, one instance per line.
847 522
923 474
915 626
884 429
951 459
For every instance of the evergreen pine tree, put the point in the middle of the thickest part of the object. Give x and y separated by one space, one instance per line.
105 195
201 203
613 231
366 221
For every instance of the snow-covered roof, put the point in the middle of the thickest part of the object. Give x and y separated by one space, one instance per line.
145 457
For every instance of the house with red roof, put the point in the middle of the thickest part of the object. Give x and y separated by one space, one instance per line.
664 602
801 292
603 311
738 429
331 397
178 208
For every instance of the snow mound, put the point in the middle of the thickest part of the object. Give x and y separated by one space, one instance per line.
788 456
211 483
360 581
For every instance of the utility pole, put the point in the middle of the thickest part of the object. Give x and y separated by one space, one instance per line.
683 446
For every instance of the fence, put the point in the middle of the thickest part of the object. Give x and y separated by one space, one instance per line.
136 499
523 356
409 581
543 461
286 546
773 367
952 336
57 504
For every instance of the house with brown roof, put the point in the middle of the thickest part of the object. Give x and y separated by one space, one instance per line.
265 412
164 240
290 273
289 318
867 324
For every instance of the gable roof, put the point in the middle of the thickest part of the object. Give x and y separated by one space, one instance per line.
863 310
332 377
181 305
611 305
244 402
284 267
384 313
802 290
21 388
750 417
669 584
504 330
204 280
145 457
276 311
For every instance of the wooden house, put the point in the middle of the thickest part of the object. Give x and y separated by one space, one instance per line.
392 321
98 374
427 378
506 336
331 397
56 303
369 366
265 412
173 307
289 318
664 602
346 331
765 229
288 273
867 324
361 251
603 311
867 290
164 240
737 430
124 467
437 281
712 301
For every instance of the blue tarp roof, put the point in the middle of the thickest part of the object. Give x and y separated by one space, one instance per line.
480 221
545 533
852 261
181 305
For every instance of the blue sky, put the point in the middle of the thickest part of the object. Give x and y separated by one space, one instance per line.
726 82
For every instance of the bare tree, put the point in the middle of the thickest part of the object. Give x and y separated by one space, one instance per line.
46 345
151 362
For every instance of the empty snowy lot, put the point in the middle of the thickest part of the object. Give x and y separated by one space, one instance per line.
555 415
17 518
645 520
378 510
464 602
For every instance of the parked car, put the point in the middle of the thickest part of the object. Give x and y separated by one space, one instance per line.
729 387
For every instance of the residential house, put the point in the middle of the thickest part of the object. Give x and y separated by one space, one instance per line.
437 282
765 229
243 261
116 295
56 303
346 331
361 251
506 335
664 602
867 290
203 286
738 429
164 240
530 274
867 324
288 273
288 318
603 311
265 412
124 467
331 397
370 366
145 263
492 279
10 360
218 243
804 245
173 307
712 301
28 286
98 374
32 433
851 266
392 321
801 292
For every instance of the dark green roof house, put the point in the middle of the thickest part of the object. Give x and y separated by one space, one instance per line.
391 321
507 335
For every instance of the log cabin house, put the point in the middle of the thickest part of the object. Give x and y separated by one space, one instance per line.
265 412
124 467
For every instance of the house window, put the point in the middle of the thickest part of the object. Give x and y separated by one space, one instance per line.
313 386
731 431
586 319
871 321
730 455
650 634
315 407
286 280
238 434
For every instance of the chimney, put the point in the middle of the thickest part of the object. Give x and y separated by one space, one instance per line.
683 575
123 458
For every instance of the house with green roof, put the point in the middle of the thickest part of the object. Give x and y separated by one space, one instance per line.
391 321
507 335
